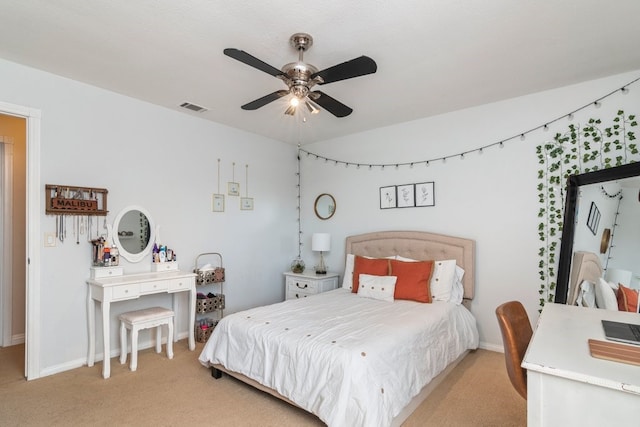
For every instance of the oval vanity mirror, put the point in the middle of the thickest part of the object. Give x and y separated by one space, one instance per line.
325 206
134 233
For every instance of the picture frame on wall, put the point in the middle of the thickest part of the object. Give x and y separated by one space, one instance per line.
233 188
594 218
406 196
425 194
388 197
217 203
246 203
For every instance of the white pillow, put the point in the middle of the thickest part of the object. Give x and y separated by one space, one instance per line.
457 291
443 280
587 295
347 279
605 295
377 287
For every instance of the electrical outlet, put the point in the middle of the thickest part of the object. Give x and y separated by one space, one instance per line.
49 240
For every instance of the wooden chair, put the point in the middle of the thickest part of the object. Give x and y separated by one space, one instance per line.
516 335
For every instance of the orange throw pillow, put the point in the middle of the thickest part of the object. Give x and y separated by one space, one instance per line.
372 266
413 280
627 299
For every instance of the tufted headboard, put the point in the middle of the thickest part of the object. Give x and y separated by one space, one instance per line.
418 245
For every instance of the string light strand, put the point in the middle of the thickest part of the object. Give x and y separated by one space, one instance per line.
519 136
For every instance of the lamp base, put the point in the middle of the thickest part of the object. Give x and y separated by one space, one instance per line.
321 271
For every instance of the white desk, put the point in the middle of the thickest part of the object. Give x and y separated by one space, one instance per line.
568 387
131 286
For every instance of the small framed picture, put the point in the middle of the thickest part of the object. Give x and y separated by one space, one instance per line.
425 195
406 196
246 203
388 197
217 203
233 188
594 218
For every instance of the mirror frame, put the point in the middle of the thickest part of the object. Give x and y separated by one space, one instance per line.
116 238
568 226
315 206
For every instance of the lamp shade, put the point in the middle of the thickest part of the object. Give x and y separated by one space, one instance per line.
320 242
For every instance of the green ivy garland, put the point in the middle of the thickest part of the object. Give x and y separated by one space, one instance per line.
578 150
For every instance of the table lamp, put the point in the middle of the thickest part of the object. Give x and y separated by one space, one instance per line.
321 242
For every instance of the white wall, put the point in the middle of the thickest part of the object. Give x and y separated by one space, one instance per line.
490 197
166 162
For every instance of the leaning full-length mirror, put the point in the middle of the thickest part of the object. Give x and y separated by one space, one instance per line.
134 233
325 206
602 209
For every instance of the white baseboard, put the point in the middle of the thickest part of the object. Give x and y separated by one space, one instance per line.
491 347
78 363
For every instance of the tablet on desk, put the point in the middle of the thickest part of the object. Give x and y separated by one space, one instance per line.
622 332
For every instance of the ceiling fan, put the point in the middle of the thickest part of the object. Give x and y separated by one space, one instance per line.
300 77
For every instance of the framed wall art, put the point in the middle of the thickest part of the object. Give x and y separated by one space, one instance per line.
594 218
388 197
246 203
425 195
405 195
217 203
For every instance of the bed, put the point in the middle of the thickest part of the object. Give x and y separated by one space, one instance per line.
348 359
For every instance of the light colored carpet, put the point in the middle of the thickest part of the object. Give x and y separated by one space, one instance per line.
177 392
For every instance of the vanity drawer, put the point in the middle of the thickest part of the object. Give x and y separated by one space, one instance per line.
102 272
125 291
153 287
185 284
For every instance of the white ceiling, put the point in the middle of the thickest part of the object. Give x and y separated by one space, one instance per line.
433 56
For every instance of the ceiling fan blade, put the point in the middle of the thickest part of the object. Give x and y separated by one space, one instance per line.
336 108
356 67
261 102
244 57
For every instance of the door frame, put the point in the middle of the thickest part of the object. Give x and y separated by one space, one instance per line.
6 260
32 292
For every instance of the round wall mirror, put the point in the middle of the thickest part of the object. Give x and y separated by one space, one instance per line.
325 206
134 233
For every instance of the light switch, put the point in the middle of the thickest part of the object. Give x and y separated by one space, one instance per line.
49 240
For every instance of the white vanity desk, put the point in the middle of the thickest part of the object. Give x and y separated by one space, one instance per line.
568 387
131 286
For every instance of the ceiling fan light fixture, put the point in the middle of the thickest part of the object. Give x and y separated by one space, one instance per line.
312 108
291 110
294 102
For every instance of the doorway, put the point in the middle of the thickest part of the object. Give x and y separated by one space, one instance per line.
13 178
23 230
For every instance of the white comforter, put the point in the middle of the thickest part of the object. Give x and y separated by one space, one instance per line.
350 360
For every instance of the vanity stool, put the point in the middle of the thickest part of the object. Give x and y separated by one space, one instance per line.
147 318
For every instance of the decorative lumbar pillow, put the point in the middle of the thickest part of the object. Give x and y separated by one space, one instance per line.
605 295
377 287
413 280
627 299
372 266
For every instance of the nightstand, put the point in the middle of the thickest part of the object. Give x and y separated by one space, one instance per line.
301 285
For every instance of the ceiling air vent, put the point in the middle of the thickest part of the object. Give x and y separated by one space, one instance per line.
193 107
